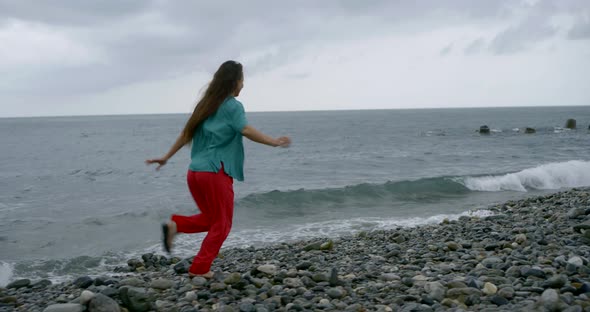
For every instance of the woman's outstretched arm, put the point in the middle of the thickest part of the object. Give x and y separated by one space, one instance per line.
259 137
180 142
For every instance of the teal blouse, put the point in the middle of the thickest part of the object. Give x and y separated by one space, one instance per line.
219 140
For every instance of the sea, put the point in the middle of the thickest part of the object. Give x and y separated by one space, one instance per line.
77 199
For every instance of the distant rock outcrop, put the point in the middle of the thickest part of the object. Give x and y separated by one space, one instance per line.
570 124
484 129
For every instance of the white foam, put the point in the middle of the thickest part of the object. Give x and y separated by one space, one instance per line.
574 173
560 129
6 272
187 245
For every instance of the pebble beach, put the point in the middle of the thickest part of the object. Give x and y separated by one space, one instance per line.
529 255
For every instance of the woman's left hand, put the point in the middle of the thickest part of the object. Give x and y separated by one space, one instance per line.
284 141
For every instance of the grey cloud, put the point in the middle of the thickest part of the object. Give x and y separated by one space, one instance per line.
82 79
515 39
580 30
68 13
537 26
534 28
298 75
266 61
475 46
192 36
574 7
446 50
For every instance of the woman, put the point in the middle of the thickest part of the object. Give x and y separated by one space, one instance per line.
215 130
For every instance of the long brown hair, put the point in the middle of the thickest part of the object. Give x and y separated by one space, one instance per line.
224 83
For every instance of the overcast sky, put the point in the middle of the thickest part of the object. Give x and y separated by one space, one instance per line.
97 57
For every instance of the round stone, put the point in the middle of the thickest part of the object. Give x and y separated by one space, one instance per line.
489 288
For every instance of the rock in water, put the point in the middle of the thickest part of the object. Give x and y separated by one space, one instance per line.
83 282
484 129
134 263
530 130
570 124
19 283
41 284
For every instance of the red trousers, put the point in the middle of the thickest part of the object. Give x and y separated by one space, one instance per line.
214 194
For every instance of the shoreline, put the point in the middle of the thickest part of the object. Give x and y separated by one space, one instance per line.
530 255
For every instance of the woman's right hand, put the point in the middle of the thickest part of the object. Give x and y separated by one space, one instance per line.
259 137
160 161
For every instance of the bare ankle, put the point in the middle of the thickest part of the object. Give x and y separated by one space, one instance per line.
172 227
205 275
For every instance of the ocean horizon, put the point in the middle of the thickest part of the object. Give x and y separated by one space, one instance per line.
296 111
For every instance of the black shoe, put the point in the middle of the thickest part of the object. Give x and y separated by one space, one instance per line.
165 234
